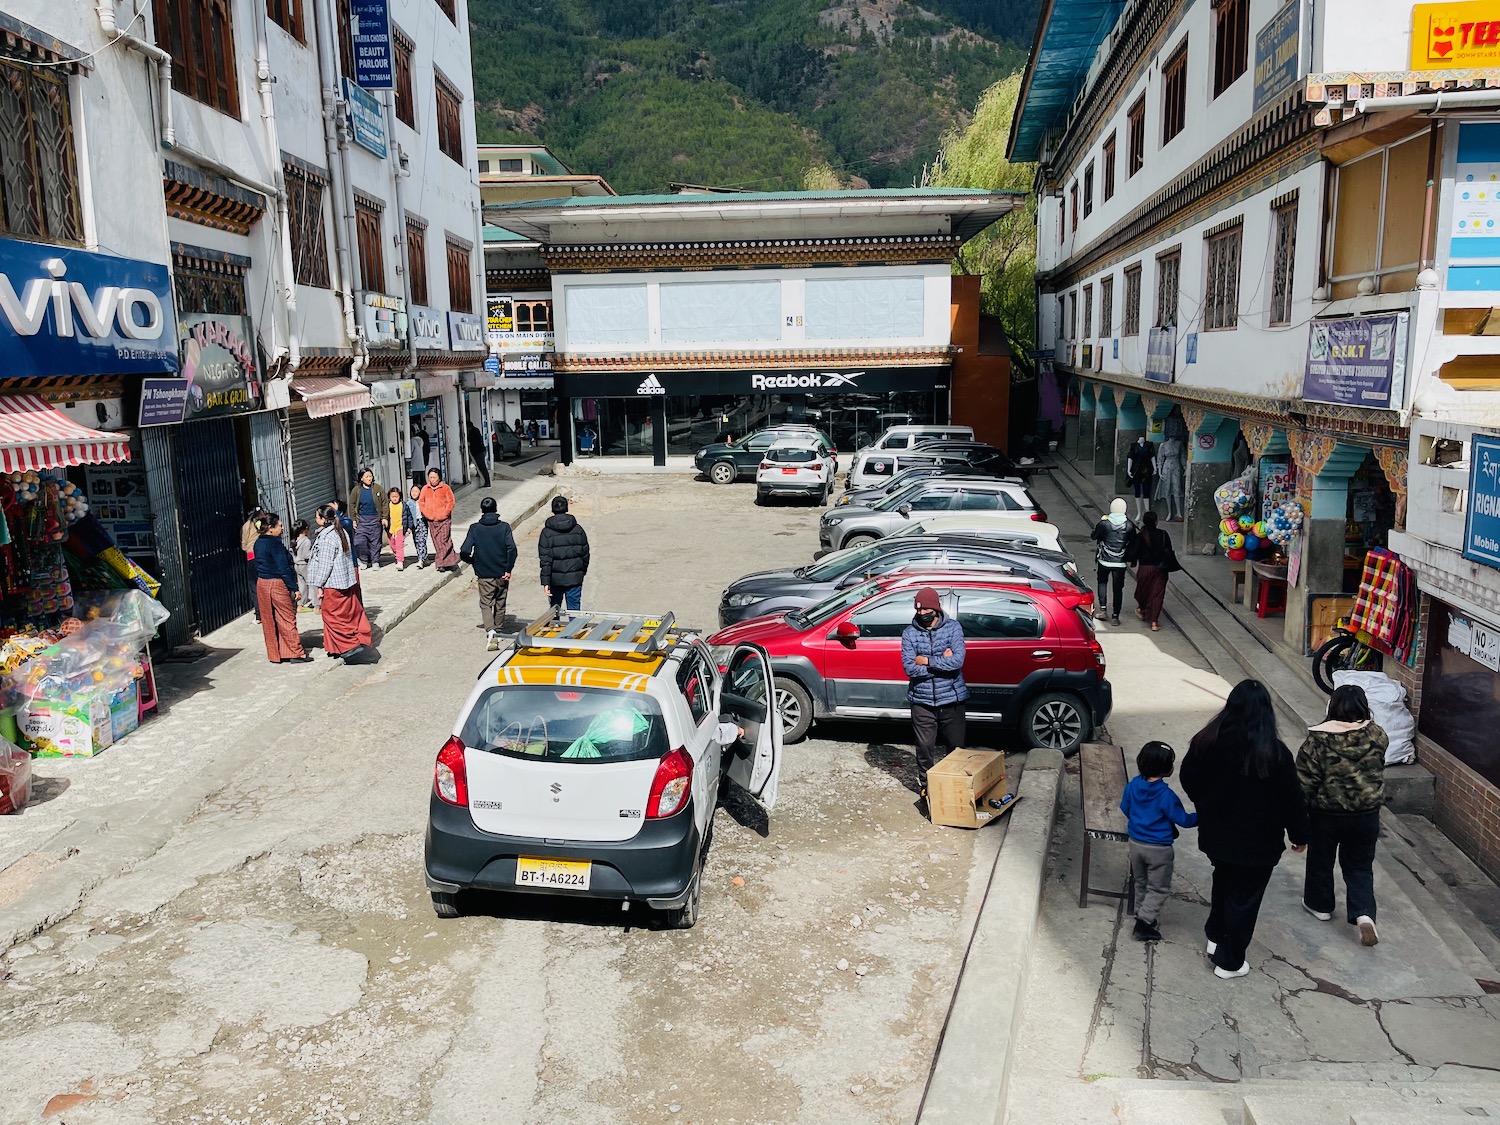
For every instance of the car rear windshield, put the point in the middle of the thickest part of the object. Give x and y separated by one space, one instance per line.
583 725
788 455
841 563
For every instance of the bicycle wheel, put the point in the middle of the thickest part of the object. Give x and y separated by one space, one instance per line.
1335 655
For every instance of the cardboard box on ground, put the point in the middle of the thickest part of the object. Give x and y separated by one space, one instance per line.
962 786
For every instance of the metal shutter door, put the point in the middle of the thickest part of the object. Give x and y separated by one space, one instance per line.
268 449
212 512
313 482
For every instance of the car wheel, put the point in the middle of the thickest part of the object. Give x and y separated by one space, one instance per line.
857 541
760 495
1056 720
721 473
685 917
795 707
445 904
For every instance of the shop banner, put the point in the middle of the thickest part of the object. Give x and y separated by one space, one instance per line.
374 66
429 329
527 366
1482 517
465 332
119 500
366 119
1360 361
70 312
163 401
1455 36
1278 54
219 365
1277 483
384 319
1161 355
875 380
389 392
1474 229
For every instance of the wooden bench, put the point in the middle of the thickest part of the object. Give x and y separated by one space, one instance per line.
1237 579
1102 776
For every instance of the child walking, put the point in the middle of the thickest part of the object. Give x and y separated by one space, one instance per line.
1152 809
302 545
403 517
418 526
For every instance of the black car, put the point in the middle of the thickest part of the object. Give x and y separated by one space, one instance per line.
725 462
776 591
877 492
875 466
981 452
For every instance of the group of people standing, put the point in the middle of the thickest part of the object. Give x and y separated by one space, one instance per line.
1251 797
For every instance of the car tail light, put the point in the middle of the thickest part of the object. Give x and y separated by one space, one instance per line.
816 467
1039 516
450 776
767 465
1071 596
1098 650
670 786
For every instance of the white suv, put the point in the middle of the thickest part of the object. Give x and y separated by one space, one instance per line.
588 759
795 467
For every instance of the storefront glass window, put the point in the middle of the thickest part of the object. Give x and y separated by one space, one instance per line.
612 427
1460 695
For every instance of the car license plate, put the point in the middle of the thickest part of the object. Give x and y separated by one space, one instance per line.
788 472
559 874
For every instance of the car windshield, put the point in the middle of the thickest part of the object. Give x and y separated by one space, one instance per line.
831 607
896 499
583 725
840 563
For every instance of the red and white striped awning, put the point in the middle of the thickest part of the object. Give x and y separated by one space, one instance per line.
35 435
331 394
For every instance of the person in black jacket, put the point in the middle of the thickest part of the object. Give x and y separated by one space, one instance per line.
1243 781
564 551
490 548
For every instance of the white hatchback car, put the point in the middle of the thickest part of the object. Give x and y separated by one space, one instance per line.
794 467
588 761
1015 526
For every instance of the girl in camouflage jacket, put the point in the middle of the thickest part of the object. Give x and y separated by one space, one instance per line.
1342 770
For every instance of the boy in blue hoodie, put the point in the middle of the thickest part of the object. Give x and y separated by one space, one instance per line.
1152 810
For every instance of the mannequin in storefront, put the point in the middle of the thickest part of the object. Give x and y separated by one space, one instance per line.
1171 463
1140 468
420 444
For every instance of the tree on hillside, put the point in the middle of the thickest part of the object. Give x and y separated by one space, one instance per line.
1005 254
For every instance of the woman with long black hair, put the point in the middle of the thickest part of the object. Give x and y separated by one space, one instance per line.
1243 782
1152 554
346 629
276 591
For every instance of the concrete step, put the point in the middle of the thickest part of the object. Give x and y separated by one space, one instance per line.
1452 878
1293 1102
1439 1114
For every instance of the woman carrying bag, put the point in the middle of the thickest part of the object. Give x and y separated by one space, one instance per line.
346 629
1151 552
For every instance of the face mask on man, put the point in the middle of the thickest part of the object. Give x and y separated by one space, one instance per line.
925 617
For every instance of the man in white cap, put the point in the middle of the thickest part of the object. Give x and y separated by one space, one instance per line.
1113 535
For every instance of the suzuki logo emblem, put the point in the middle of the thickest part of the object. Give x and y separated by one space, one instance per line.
556 787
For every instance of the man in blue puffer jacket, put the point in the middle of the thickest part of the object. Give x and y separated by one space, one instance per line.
932 652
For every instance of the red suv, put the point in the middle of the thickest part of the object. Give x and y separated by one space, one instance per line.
1031 658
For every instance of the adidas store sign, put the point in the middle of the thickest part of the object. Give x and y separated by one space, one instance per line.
651 385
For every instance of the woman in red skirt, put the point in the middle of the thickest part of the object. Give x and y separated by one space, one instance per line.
346 629
276 591
1154 558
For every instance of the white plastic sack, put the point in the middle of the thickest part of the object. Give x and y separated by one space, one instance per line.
1388 708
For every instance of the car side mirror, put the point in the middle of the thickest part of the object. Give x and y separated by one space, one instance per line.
853 579
846 631
905 511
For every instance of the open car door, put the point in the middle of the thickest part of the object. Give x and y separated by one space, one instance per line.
748 697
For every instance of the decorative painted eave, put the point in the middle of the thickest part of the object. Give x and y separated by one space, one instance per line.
776 252
1336 96
210 201
574 363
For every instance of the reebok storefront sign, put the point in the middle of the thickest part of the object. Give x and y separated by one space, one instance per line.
651 385
822 380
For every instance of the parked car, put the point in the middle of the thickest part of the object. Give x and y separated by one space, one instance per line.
864 497
904 436
1032 661
776 591
870 469
1004 527
585 762
727 462
850 526
796 467
505 442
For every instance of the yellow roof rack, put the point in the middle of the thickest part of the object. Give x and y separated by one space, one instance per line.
596 631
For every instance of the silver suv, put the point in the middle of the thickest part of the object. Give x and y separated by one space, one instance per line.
853 525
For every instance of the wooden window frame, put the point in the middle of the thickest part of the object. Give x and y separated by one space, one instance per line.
1073 206
1283 261
1222 253
39 195
450 119
1088 313
1072 316
460 280
1168 287
1231 42
449 9
199 36
309 233
538 315
1131 324
1107 188
1088 190
1062 220
345 16
416 259
1135 157
1107 306
369 230
1174 76
406 102
289 16
1344 284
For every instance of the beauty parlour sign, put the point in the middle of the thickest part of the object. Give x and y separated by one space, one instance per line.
1463 36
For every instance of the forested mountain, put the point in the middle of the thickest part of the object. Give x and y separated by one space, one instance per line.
745 93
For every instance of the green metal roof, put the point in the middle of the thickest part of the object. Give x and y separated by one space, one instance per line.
721 199
1068 34
493 234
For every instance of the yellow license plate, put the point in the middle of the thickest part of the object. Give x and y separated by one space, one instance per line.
554 874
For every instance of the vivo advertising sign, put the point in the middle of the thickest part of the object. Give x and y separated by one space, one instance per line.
72 312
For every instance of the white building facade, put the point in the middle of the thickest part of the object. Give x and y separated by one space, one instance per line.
1263 232
305 171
